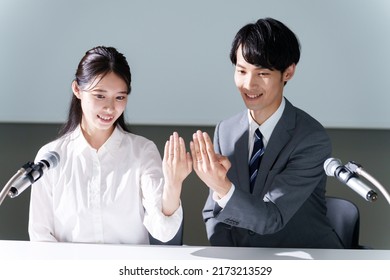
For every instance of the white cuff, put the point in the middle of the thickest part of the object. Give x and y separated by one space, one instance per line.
224 200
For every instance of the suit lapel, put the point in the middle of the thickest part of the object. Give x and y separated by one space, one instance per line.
241 154
279 138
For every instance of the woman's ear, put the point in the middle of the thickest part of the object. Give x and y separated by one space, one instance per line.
289 72
76 90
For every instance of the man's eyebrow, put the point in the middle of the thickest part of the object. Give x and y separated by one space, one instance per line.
257 67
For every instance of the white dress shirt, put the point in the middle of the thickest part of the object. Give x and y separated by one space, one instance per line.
266 130
110 195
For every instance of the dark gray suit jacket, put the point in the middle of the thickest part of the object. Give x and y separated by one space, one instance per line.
287 208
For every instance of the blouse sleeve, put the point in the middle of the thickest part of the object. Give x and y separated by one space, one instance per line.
41 222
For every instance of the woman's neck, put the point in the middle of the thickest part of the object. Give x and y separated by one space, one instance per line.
96 137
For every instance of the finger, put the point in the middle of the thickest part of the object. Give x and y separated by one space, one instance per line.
182 147
166 150
194 160
176 151
224 161
197 157
202 147
171 147
210 148
192 150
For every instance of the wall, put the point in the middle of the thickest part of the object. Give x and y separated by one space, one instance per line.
19 143
179 50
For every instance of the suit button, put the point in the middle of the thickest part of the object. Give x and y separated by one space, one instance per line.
251 232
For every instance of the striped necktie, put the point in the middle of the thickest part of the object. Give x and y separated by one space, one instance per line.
254 163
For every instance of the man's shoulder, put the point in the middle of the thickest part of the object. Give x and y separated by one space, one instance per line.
302 118
306 120
237 119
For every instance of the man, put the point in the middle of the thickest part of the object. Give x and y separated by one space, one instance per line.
275 197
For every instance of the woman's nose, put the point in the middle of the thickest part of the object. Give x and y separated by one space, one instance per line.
109 106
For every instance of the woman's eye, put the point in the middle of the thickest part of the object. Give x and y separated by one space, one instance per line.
120 98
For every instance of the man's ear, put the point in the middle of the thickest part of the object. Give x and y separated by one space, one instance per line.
76 89
289 72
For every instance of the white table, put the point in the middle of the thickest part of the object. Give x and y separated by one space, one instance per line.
26 250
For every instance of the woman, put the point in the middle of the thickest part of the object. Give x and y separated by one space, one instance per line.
109 185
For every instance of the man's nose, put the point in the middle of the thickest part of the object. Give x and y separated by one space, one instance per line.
251 82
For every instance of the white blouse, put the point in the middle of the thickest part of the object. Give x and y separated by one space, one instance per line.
113 195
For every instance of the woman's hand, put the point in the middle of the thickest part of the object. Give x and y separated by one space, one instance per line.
177 165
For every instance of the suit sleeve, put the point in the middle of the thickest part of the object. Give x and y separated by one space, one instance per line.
296 175
215 230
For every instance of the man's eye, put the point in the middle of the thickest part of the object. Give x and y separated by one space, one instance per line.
120 98
263 74
99 96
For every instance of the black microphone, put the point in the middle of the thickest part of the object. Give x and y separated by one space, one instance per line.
34 173
333 167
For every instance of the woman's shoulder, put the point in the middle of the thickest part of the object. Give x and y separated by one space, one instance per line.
50 146
137 139
57 145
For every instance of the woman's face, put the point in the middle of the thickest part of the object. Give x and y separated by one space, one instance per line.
102 102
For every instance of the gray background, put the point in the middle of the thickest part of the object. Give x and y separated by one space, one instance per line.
178 51
183 81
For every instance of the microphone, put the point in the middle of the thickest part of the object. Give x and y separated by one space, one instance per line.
333 167
34 173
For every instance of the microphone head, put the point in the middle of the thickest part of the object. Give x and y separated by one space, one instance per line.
51 159
330 166
35 171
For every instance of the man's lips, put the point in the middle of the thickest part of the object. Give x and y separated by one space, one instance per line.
253 96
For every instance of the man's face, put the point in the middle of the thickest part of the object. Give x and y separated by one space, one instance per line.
260 88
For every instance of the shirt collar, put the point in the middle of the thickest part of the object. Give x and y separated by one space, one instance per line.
268 126
112 143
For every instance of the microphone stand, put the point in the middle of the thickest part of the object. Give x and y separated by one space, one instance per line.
5 191
8 186
357 168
